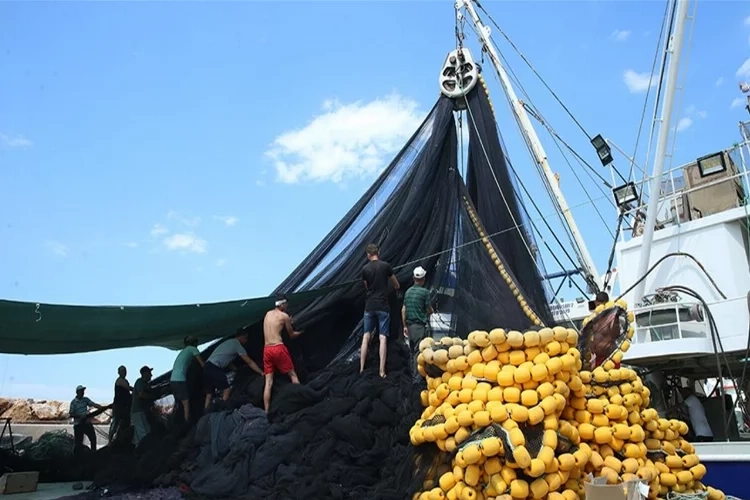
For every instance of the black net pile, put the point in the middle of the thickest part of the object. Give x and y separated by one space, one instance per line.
341 434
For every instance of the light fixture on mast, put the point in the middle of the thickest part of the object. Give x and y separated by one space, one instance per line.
592 277
625 195
602 149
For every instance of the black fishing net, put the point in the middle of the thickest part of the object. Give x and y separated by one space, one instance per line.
341 434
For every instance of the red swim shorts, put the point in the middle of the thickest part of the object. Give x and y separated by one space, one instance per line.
276 358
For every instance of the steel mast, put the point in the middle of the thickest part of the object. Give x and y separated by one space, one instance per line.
540 156
674 50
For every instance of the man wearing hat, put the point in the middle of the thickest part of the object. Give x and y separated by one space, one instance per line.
82 426
143 400
416 310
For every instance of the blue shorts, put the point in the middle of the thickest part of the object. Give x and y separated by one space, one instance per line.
379 319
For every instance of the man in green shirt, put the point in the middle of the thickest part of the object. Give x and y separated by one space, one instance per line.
416 310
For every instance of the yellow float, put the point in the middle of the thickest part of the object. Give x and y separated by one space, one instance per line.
530 415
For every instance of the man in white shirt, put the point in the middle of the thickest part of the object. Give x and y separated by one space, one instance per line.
225 353
79 412
698 421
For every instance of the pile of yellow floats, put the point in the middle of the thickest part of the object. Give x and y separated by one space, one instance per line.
518 418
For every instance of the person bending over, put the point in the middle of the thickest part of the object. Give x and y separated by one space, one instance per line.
275 354
377 275
225 353
178 379
79 412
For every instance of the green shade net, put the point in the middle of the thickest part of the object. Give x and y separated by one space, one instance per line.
34 328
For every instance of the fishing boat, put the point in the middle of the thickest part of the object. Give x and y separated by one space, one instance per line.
682 261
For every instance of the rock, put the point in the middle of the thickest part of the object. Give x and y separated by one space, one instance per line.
20 411
45 411
5 404
64 410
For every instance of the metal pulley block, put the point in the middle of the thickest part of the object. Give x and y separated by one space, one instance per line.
459 74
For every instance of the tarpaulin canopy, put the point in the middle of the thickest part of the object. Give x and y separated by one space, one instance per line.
34 328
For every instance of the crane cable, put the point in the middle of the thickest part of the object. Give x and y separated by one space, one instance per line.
528 63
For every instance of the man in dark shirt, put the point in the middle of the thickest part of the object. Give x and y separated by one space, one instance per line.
142 405
377 275
121 404
416 310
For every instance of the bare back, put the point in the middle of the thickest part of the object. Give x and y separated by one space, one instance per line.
273 325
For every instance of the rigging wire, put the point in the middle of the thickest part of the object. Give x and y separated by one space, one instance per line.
533 203
459 38
589 169
596 209
662 71
573 243
528 63
537 115
679 105
611 259
648 91
545 183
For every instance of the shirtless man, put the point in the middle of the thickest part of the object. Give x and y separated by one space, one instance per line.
275 354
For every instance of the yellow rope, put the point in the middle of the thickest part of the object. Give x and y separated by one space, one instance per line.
500 267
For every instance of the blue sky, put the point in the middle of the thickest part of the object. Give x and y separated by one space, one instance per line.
161 153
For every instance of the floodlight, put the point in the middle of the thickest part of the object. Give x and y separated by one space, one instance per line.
625 194
711 164
602 149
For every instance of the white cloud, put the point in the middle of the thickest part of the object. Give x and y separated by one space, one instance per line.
221 262
260 183
638 82
747 21
691 111
684 124
228 220
131 244
346 140
158 230
57 248
744 71
185 241
720 81
737 102
620 35
16 141
185 221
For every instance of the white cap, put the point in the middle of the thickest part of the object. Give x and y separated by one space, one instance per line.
419 272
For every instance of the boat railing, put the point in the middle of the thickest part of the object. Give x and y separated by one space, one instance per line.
677 319
706 186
